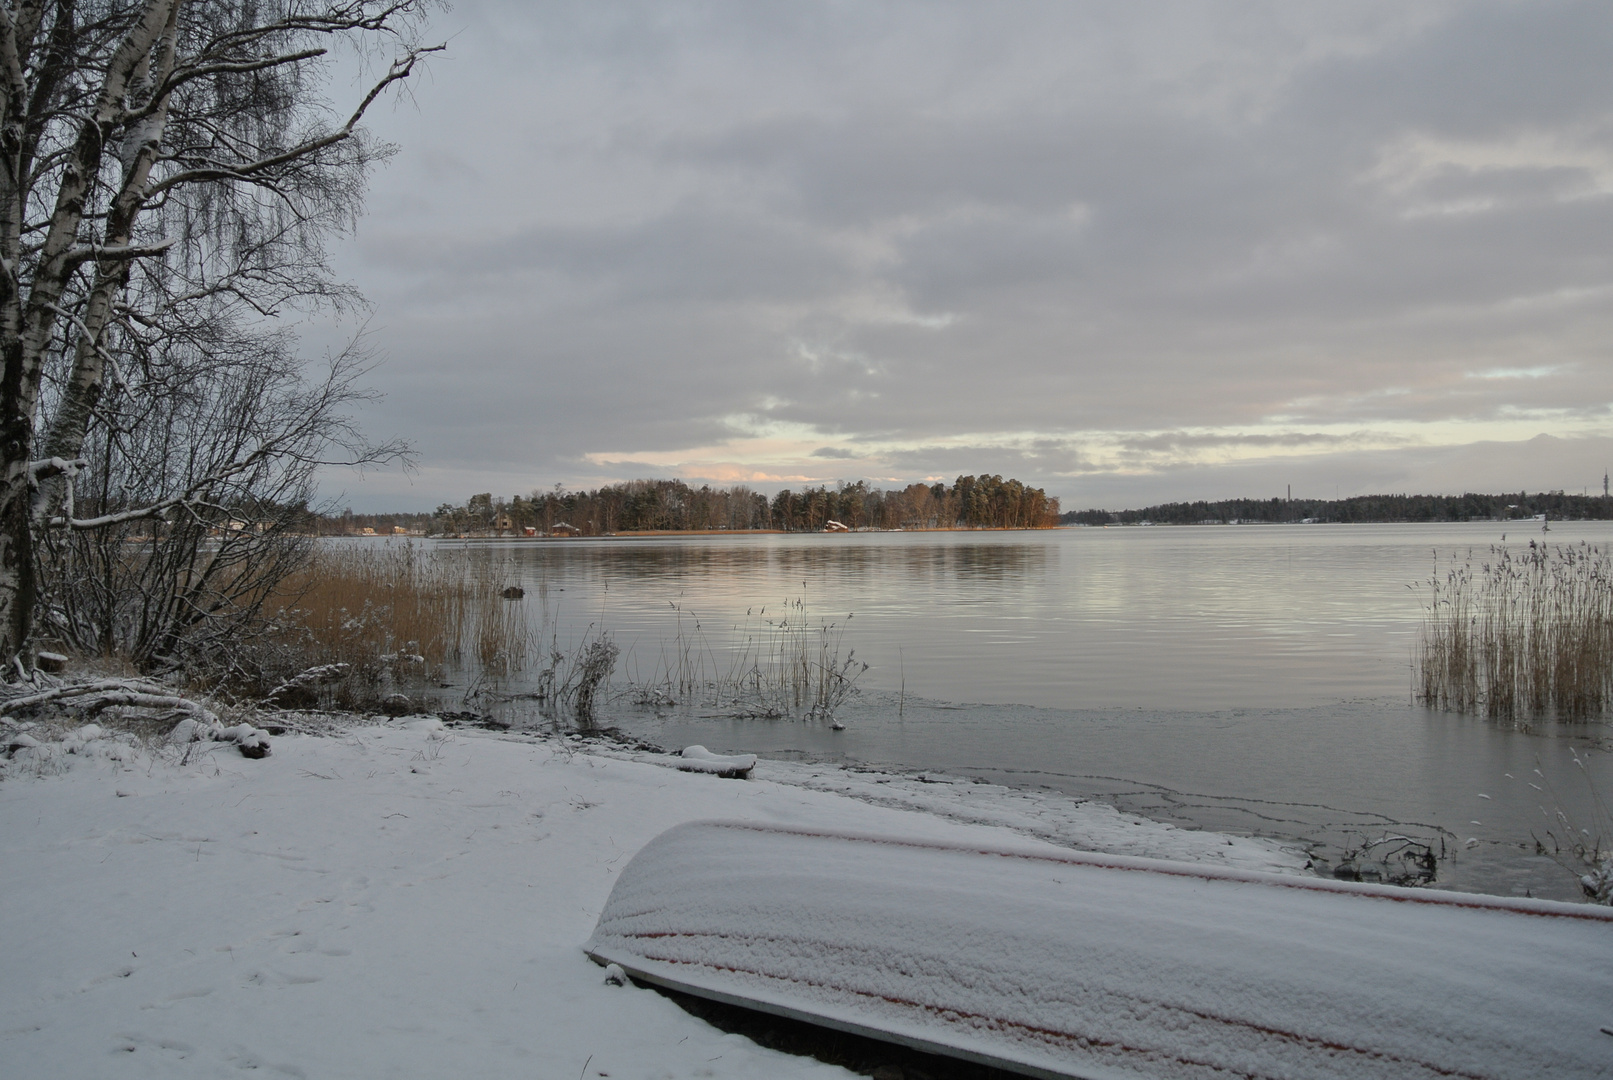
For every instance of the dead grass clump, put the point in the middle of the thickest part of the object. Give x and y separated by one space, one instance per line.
1521 637
1583 848
593 666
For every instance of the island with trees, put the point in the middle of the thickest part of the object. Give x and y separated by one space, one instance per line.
642 506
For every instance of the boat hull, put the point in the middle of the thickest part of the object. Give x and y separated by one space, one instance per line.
1066 964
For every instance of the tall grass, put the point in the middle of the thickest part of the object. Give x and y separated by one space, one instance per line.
396 614
388 611
1522 636
792 663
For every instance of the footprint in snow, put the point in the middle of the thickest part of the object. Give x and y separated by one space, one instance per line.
173 999
131 1043
277 978
120 973
246 1060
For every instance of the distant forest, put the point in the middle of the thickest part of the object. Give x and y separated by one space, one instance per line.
971 502
1361 508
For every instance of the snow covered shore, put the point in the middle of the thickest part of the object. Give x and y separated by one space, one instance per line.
404 900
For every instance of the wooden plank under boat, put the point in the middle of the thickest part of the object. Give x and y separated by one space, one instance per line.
1061 964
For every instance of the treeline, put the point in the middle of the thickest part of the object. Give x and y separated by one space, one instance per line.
348 523
983 502
1556 505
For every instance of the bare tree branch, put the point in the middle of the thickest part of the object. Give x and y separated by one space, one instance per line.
167 185
401 68
87 252
56 466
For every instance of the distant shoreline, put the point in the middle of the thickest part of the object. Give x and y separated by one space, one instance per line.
1508 507
656 533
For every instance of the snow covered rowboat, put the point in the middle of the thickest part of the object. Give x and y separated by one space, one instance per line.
1064 964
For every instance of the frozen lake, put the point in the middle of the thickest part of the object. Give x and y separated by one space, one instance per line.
1245 678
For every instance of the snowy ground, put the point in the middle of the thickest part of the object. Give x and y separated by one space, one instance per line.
400 900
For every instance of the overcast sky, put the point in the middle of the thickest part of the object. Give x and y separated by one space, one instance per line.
1128 252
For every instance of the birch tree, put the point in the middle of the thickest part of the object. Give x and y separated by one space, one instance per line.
169 173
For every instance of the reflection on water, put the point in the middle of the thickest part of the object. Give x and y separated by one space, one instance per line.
1246 678
1169 618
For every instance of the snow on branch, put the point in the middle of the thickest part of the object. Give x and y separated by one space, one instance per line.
304 686
85 252
155 510
312 428
200 724
189 499
49 467
104 693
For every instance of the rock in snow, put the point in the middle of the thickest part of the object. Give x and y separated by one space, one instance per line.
397 705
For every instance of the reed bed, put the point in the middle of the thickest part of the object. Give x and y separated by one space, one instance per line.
395 612
789 664
1522 636
396 615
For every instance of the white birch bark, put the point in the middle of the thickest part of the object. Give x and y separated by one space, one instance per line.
88 90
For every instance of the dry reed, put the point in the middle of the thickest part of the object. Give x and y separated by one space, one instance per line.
1584 849
790 664
391 611
399 613
1524 636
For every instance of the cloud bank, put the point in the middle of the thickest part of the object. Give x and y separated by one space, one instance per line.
1119 251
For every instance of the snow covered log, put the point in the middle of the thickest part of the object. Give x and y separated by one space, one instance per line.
1067 964
730 766
97 694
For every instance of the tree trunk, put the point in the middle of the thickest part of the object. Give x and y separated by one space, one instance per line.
17 587
117 121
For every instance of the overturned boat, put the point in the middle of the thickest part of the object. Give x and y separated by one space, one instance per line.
1053 963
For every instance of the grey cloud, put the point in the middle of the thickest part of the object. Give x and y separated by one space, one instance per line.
703 208
1178 440
692 255
1516 187
1034 465
1487 67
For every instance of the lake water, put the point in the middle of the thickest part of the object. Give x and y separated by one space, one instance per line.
1246 678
